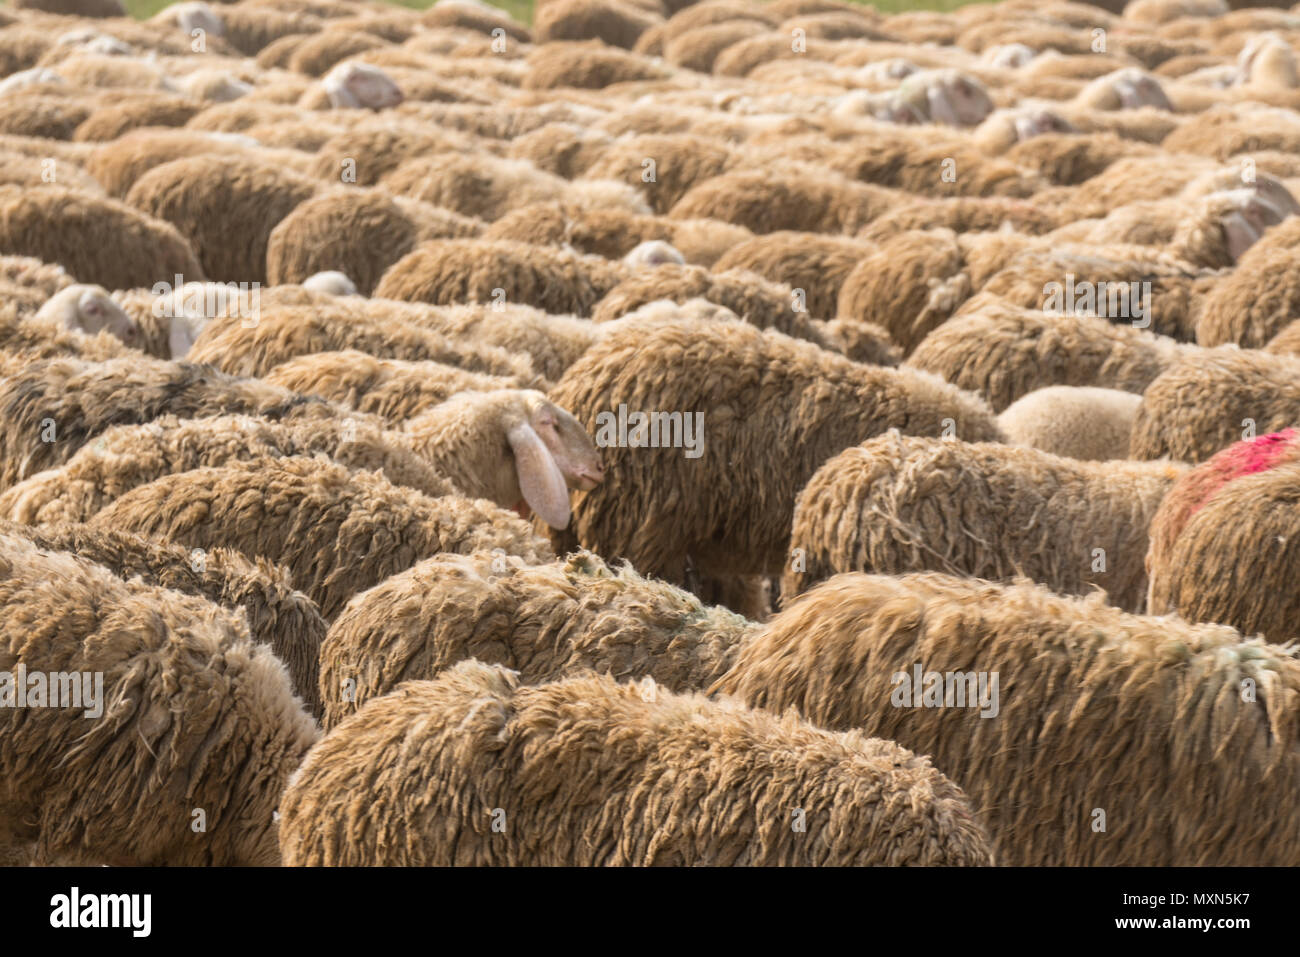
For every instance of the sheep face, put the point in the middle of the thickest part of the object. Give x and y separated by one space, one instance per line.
333 282
361 86
654 252
198 16
1129 89
1267 59
1249 214
940 96
1037 122
552 453
1010 57
89 309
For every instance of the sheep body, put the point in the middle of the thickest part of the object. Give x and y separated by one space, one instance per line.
1079 422
474 740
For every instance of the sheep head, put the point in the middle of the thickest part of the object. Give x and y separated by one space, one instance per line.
1245 214
88 309
361 86
654 252
940 96
552 453
331 281
1036 122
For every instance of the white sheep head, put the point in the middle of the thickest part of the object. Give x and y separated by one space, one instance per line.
654 252
331 281
196 15
361 86
939 96
1245 214
89 309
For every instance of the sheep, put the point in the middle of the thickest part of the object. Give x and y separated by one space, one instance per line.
1003 352
211 198
1081 684
89 309
546 621
551 343
565 149
1154 12
611 233
937 96
700 48
278 616
289 331
651 253
739 392
816 263
100 241
1126 89
122 787
677 162
392 389
487 187
617 22
453 271
338 532
1198 485
747 296
127 456
52 407
1250 306
795 197
589 65
1079 422
866 801
331 281
75 8
914 281
1213 398
117 165
1126 284
550 451
473 15
369 153
899 504
358 86
359 231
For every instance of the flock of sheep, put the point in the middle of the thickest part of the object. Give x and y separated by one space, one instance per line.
677 433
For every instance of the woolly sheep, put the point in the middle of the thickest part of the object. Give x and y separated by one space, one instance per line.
51 408
360 232
550 342
446 272
741 393
547 451
1253 303
616 22
1003 352
212 198
23 340
814 262
100 241
331 281
1213 398
1079 422
653 252
89 309
121 789
547 621
128 456
357 86
792 198
278 616
390 388
337 532
476 739
899 504
289 331
938 96
1198 485
1080 683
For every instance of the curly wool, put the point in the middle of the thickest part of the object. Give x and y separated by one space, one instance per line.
1213 398
122 789
338 532
1203 768
544 621
1003 352
592 773
51 408
900 504
128 456
780 404
278 616
1235 560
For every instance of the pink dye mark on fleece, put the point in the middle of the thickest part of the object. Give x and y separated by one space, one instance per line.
1245 458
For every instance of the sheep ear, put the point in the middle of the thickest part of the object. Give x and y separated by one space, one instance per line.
941 110
1241 235
540 478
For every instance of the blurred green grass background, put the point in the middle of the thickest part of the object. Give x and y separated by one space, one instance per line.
522 10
